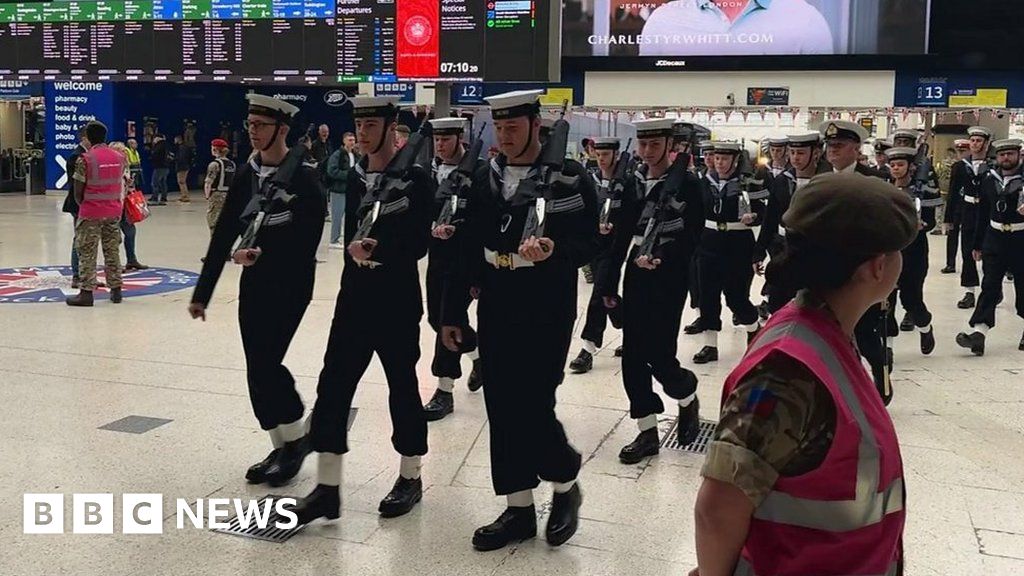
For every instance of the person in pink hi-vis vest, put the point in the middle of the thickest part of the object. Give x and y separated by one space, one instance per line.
99 189
804 475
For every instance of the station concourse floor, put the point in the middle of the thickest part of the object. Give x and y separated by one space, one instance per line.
66 372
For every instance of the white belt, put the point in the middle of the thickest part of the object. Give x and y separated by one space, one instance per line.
509 261
782 231
1007 227
971 199
725 226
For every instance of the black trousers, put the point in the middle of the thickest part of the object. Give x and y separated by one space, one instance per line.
968 224
268 324
446 364
1008 257
596 321
695 281
528 443
953 243
728 269
653 302
356 333
911 282
870 336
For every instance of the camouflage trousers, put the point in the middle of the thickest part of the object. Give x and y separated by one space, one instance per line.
214 207
89 235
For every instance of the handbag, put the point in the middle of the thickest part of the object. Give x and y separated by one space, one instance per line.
135 206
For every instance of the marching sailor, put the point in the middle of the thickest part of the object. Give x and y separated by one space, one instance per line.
965 184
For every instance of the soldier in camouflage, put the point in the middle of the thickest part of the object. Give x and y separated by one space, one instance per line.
219 175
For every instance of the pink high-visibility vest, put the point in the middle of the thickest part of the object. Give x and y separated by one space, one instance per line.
104 183
846 517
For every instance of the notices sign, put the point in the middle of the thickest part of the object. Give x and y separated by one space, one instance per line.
988 97
767 96
69 105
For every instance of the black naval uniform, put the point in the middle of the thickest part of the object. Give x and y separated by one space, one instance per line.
772 239
726 251
525 316
999 235
275 291
915 267
623 204
653 300
965 183
444 255
378 310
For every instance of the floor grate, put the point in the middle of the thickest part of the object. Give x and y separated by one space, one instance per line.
699 446
135 424
268 534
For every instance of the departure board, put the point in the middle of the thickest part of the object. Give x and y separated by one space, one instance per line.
280 41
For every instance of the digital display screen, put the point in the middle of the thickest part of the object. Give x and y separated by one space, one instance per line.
287 41
708 28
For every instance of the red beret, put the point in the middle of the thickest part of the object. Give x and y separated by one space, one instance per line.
219 143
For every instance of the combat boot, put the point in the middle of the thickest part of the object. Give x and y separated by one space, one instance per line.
84 298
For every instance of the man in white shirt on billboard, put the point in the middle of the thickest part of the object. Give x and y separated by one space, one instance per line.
736 28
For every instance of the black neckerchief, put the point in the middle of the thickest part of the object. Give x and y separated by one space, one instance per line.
521 196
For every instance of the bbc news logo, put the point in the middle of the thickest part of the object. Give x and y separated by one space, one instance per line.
143 513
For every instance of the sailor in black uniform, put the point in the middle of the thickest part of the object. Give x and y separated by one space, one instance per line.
277 278
881 160
727 248
534 223
657 268
378 309
910 286
998 242
446 367
965 182
951 218
843 140
804 153
619 207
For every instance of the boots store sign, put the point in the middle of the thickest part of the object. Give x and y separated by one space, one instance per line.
69 105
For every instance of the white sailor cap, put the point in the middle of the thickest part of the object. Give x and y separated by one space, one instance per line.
901 153
1008 144
881 145
707 146
961 143
375 106
778 142
514 104
843 130
979 131
263 105
654 127
448 126
907 133
726 147
606 143
807 140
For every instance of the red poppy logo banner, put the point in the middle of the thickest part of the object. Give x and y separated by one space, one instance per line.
418 39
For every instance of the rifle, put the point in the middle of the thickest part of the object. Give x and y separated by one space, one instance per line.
677 174
552 162
459 180
273 188
622 167
415 157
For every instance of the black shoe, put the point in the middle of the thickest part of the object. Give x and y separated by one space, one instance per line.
618 352
476 377
928 342
583 363
695 328
514 525
565 516
441 404
949 270
688 426
323 502
257 473
288 462
83 298
967 302
974 341
399 502
908 323
762 311
646 444
706 354
115 296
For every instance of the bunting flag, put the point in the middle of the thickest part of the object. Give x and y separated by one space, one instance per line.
744 114
728 114
763 113
960 117
906 114
693 112
977 115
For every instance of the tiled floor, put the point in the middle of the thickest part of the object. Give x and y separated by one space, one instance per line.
64 373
